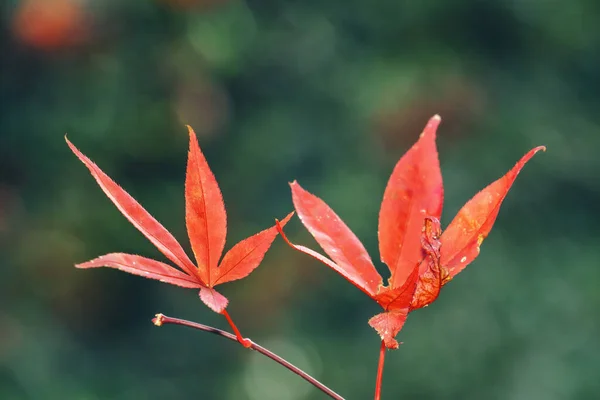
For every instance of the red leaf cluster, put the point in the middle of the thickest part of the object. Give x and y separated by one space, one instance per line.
421 258
206 222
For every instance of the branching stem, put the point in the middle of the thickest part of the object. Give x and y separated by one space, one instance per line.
162 319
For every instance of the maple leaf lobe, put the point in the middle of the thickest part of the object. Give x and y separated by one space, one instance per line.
462 239
348 254
142 266
246 255
414 191
205 215
137 215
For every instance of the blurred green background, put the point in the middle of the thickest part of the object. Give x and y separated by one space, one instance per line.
329 93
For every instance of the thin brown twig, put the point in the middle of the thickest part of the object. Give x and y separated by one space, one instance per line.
162 319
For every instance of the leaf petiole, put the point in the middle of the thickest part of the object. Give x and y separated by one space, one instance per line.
382 350
243 341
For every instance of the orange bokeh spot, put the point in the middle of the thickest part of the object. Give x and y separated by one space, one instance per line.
49 24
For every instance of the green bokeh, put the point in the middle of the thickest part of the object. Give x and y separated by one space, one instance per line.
331 94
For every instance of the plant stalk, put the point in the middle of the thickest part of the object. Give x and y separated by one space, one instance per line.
380 371
162 319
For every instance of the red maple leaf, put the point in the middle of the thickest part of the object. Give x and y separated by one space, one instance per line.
420 259
206 222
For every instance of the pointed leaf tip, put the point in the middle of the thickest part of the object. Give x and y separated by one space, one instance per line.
432 126
191 131
284 221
